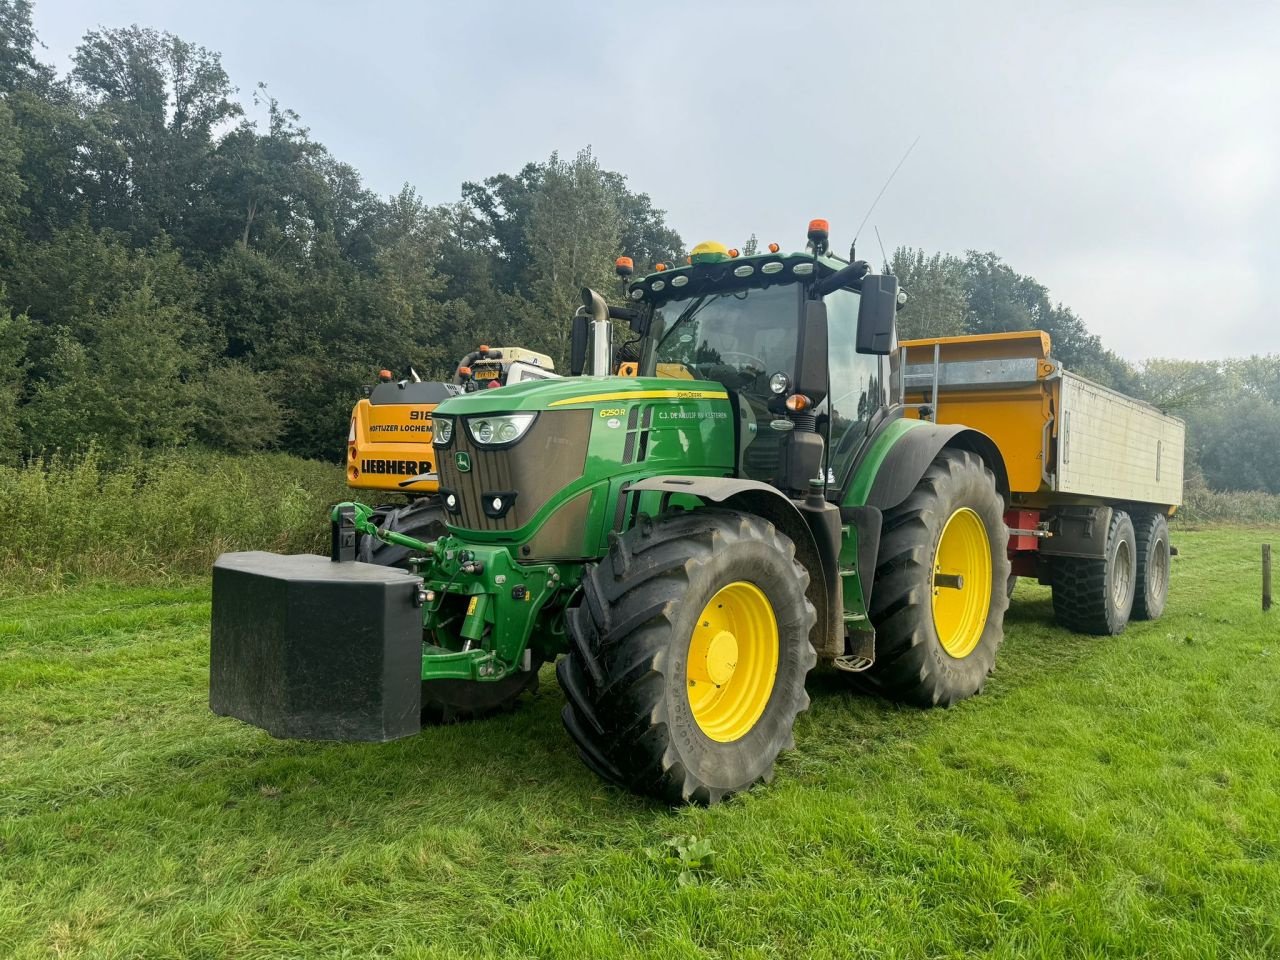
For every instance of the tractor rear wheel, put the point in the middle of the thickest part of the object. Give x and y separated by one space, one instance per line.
1151 539
689 654
942 585
422 518
443 701
1097 595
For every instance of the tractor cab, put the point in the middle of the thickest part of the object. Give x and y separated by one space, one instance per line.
801 347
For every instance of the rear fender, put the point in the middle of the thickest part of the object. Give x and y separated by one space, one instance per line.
910 456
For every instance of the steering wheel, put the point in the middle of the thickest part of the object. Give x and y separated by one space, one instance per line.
754 360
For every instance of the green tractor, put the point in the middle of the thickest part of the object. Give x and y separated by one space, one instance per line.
688 543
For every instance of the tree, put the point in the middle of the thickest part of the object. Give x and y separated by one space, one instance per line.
19 68
158 101
124 388
238 409
15 333
643 232
936 296
573 232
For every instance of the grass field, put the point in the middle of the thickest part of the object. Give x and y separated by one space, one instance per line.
1105 798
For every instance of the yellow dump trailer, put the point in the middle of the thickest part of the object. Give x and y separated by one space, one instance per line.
1093 474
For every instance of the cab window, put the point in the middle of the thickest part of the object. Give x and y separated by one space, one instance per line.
857 385
738 338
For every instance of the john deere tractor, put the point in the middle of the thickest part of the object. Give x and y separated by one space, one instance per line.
687 543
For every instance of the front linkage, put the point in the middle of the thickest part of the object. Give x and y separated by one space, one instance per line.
485 617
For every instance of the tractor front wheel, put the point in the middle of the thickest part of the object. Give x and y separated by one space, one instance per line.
689 655
456 701
942 585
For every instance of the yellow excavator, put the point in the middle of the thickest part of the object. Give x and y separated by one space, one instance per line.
389 443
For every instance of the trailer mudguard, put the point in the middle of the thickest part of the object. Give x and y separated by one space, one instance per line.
816 553
914 449
1077 532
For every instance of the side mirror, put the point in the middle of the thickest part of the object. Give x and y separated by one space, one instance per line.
637 320
811 366
876 314
578 335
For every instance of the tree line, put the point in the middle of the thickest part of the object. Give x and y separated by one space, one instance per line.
180 266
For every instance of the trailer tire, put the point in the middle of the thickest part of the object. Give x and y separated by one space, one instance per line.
688 656
1096 595
1151 539
927 655
422 518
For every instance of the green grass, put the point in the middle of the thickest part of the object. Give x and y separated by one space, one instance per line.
1108 797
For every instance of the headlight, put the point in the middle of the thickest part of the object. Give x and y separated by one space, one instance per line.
494 431
441 431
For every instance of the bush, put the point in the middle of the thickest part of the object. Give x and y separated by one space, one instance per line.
160 514
1202 506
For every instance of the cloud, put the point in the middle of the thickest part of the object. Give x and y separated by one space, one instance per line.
1124 154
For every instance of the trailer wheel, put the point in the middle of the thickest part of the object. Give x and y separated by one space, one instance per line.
942 585
422 518
1096 595
1151 540
688 658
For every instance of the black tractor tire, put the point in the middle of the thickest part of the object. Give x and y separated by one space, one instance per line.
443 701
457 701
1151 539
1013 585
912 664
1096 595
422 518
627 677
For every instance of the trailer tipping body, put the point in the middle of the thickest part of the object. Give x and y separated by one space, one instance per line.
1065 439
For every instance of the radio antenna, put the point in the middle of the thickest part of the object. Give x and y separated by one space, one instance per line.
872 208
884 256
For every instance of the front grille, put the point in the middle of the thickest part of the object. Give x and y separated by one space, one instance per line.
544 461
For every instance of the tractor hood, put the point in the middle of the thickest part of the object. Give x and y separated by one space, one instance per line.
572 392
542 465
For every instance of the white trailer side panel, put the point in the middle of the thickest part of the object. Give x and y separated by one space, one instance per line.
1112 446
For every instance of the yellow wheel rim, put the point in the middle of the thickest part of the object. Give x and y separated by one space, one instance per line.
961 583
733 661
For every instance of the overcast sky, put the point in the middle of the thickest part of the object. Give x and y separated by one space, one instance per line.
1127 155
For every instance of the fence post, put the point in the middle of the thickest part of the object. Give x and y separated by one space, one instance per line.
1266 577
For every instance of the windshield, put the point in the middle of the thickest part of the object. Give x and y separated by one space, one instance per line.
739 338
